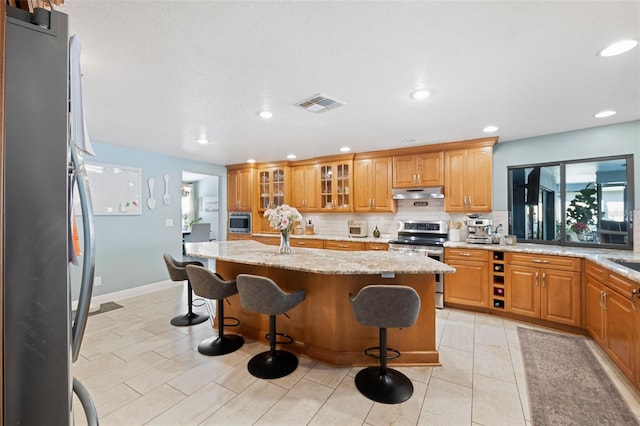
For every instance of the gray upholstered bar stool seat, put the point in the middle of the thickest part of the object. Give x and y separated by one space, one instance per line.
261 294
210 285
385 306
178 272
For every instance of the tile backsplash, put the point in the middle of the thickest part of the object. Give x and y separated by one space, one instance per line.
387 223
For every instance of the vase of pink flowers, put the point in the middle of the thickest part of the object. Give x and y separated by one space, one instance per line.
283 219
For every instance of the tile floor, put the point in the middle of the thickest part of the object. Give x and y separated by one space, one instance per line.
140 370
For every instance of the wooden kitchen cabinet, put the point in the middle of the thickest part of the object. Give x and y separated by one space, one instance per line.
469 285
238 237
468 179
620 331
372 185
272 186
336 185
344 245
239 188
272 241
305 187
376 246
306 242
545 287
411 171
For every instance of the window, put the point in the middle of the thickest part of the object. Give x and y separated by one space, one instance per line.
573 203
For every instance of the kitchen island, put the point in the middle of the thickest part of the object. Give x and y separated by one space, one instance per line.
323 326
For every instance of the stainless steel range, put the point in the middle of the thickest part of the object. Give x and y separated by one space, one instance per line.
423 238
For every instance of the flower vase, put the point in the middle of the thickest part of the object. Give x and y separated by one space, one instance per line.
285 246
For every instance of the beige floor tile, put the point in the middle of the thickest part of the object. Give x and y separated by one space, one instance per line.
297 406
327 375
195 408
457 366
458 336
447 404
249 406
495 362
406 413
151 343
237 379
202 374
166 371
346 406
491 335
90 368
144 408
135 367
496 402
523 393
113 399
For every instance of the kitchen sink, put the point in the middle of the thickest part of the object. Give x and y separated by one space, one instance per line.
628 263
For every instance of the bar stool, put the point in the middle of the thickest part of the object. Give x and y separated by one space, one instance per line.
261 294
210 285
177 272
385 306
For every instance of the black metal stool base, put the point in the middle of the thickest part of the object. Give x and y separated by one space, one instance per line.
390 388
221 345
265 365
188 319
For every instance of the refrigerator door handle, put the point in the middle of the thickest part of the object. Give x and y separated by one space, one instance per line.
88 258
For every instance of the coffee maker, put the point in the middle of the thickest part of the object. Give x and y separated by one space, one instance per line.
479 230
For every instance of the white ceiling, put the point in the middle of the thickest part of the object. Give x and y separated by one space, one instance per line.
160 74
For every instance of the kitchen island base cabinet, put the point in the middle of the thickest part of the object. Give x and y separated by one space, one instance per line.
324 327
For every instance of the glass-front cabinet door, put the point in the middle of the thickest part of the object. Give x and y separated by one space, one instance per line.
335 186
271 187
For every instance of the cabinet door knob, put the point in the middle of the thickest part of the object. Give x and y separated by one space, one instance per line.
537 279
544 279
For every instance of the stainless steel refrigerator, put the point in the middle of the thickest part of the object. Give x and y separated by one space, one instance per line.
41 338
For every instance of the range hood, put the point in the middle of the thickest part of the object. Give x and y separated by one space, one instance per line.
417 193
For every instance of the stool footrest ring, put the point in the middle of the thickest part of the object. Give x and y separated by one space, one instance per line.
233 321
288 339
391 353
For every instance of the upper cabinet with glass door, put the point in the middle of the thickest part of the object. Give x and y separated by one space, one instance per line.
272 186
336 185
576 203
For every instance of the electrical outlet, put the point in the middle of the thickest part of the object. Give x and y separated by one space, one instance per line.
168 223
97 281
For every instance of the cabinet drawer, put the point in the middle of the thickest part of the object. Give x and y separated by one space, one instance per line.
596 271
466 254
306 242
376 246
553 262
274 241
623 285
344 245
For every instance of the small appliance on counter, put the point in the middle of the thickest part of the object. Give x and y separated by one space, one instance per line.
357 228
479 230
308 228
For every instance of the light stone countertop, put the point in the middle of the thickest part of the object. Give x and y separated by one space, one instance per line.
317 260
600 256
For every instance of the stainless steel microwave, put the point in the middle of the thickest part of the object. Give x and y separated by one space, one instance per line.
240 223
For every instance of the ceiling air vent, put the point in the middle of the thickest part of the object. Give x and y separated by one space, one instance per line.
319 103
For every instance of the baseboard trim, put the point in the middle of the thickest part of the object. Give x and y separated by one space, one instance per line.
96 301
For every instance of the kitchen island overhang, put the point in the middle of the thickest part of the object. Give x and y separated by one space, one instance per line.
323 326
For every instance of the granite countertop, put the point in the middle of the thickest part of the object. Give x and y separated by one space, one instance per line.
381 239
317 260
600 256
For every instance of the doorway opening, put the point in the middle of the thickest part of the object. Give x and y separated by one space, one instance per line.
201 202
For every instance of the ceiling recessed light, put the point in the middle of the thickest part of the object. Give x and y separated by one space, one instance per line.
604 114
265 114
202 141
420 94
345 149
618 48
291 156
251 160
490 129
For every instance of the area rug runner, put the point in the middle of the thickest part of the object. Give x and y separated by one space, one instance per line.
566 383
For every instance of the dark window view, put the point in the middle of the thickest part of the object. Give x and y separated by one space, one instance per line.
583 203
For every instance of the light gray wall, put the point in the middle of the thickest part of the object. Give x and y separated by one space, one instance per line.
129 248
616 139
